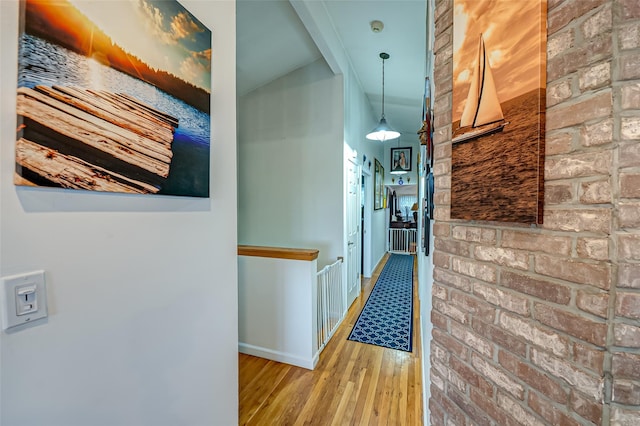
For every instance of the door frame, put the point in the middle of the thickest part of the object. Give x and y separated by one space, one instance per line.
367 269
352 161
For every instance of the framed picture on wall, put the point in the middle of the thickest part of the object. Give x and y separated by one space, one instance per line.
401 159
498 110
378 186
114 97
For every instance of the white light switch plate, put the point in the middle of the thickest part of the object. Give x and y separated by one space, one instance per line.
16 311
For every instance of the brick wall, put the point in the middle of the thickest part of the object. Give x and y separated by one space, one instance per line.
541 325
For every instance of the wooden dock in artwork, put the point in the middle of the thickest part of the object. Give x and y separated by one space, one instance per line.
91 139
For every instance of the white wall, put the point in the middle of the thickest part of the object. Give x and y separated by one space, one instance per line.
142 290
290 153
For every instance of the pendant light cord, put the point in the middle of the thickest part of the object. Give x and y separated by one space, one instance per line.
381 55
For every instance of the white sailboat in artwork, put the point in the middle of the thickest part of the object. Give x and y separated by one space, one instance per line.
482 114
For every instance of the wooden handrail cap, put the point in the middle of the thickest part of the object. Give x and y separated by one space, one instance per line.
278 252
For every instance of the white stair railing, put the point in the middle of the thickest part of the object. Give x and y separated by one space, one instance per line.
330 302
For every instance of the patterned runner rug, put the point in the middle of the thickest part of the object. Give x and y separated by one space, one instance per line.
387 317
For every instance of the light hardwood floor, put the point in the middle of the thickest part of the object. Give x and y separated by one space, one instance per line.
353 383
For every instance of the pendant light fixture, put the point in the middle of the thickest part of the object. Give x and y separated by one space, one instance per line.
383 132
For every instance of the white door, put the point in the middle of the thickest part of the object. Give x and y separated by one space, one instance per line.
353 232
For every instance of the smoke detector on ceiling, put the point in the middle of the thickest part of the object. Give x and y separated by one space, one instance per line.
376 26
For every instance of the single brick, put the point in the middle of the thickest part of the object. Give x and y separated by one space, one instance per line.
504 257
559 42
629 154
578 165
589 357
442 198
441 229
631 93
534 286
628 275
594 303
629 215
525 240
629 37
625 365
585 108
586 407
558 143
598 275
439 291
472 269
534 334
626 335
450 311
459 248
628 305
593 248
578 220
594 77
624 417
629 66
595 192
595 134
454 280
630 185
626 392
497 297
575 325
558 193
439 321
630 128
630 9
441 260
598 23
629 247
558 92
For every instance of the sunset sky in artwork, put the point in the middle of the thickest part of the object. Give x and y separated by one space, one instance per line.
161 33
512 35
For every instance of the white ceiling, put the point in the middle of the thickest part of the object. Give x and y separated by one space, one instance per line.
273 39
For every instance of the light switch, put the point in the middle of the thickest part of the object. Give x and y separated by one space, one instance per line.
24 299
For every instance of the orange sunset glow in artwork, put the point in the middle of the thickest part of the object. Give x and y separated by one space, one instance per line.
512 35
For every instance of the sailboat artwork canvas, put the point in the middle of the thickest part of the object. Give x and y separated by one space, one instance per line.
113 96
498 110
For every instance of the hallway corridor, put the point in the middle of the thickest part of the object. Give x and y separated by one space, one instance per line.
353 383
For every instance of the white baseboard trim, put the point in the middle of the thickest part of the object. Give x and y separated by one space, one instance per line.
308 363
425 347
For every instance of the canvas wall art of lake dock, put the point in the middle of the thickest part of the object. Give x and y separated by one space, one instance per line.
91 139
113 97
